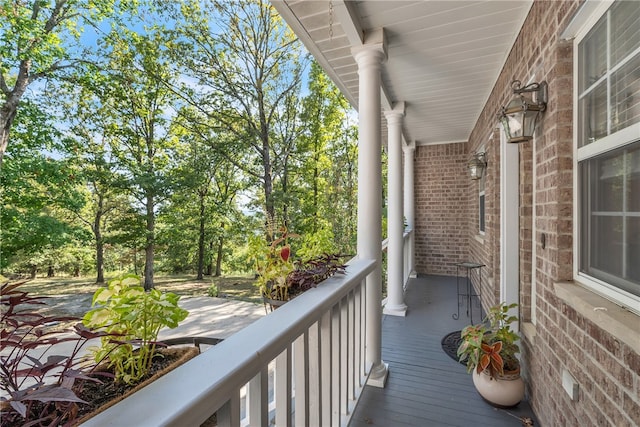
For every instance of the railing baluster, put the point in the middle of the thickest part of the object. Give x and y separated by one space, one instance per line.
344 355
315 375
325 369
301 379
257 396
283 395
229 414
353 372
357 328
363 327
336 365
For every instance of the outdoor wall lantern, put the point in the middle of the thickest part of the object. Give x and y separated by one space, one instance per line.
520 116
477 164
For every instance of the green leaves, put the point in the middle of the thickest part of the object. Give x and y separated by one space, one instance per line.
136 317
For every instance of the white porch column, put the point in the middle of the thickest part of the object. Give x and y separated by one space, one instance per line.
370 57
395 227
409 201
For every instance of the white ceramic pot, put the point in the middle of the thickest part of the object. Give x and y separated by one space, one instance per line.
504 391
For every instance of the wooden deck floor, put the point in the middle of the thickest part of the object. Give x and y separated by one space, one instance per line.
426 387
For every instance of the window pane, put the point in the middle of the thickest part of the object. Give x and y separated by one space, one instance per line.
610 217
593 115
633 250
625 37
633 181
625 93
606 247
607 186
593 56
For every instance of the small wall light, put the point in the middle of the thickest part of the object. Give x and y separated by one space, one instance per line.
520 116
477 164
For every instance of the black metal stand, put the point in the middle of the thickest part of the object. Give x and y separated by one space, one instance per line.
468 294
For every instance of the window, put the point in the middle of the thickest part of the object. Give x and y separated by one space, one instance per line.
608 154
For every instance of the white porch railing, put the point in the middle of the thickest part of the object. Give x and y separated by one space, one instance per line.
407 248
315 345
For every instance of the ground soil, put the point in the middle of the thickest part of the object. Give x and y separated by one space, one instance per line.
108 392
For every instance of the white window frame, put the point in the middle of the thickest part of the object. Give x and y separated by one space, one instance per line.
607 143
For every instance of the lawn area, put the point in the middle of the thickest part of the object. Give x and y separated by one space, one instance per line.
236 287
68 296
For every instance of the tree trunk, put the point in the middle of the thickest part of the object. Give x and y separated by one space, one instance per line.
201 238
34 271
135 261
210 259
50 272
10 106
99 259
6 120
219 255
148 250
266 158
97 232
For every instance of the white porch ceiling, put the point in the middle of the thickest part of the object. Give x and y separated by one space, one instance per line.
444 56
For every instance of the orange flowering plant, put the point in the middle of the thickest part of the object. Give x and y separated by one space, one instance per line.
491 347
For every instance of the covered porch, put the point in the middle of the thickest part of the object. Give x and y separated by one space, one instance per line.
320 377
320 360
427 79
425 386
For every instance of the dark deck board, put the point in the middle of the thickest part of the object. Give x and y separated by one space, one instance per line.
426 387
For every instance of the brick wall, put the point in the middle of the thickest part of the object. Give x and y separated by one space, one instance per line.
606 368
441 193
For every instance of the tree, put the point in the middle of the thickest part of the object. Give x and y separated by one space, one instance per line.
140 106
38 40
208 178
88 125
247 76
325 168
37 190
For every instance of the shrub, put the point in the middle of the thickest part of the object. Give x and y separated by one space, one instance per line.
125 310
212 290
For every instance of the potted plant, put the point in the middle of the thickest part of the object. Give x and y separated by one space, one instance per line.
132 318
490 351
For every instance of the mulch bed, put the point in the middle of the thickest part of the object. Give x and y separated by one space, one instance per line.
102 396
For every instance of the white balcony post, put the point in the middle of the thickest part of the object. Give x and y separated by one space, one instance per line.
369 57
409 201
395 228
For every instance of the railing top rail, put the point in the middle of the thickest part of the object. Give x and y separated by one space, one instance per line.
190 393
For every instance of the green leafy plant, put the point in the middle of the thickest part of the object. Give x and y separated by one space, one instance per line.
212 290
273 263
39 387
125 310
491 346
